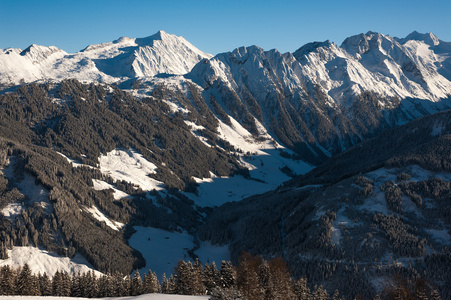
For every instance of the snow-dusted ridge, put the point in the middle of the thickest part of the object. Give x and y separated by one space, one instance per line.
107 62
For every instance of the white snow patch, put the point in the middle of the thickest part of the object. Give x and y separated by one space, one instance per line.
176 108
28 187
73 162
40 260
193 125
12 210
130 166
336 235
35 193
102 185
98 215
375 202
441 236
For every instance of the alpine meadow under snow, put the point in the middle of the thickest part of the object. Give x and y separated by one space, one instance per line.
141 152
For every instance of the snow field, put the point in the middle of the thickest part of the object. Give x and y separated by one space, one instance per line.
102 185
130 166
98 215
28 187
163 249
43 261
264 163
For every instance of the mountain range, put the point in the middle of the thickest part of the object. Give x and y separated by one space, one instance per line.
307 155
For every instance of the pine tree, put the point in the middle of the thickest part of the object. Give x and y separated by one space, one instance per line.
150 283
136 284
25 285
182 279
210 277
66 284
75 290
57 284
106 288
435 295
164 284
265 280
45 284
118 285
92 288
8 279
301 290
227 275
171 285
3 251
197 275
319 293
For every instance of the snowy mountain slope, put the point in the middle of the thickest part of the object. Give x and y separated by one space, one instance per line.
108 62
323 98
40 260
380 208
246 107
30 64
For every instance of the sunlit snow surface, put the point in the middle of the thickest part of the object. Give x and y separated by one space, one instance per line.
43 261
264 164
102 185
108 62
130 166
98 215
163 249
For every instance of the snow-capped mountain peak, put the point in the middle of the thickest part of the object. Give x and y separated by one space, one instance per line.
113 61
310 47
165 53
38 53
428 38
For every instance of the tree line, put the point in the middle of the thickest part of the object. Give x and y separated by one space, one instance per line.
254 278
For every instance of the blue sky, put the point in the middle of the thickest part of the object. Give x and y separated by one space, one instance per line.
215 26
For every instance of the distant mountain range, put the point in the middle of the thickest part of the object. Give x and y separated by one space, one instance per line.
346 146
318 100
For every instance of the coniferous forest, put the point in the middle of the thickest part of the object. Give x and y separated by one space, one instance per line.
334 243
253 278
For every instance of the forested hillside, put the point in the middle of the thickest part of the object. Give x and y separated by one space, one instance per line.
333 159
380 209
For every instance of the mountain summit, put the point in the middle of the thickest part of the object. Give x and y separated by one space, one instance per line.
109 62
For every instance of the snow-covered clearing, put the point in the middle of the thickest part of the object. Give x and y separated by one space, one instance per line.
43 261
163 249
130 166
263 160
140 297
98 215
441 236
102 185
35 193
12 210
